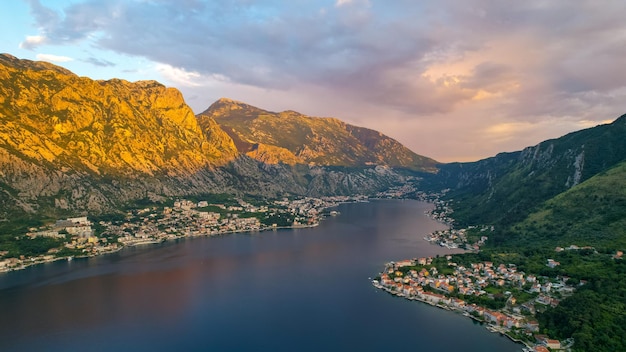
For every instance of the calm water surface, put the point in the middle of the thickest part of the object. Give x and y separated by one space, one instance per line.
286 290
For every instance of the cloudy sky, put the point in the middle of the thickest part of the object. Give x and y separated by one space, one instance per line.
455 80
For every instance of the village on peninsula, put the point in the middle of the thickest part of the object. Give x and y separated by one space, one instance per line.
497 294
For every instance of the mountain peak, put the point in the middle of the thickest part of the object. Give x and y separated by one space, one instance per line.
54 117
226 106
70 144
291 137
24 64
225 100
231 103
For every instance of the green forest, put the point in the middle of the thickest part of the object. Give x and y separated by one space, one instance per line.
592 217
564 193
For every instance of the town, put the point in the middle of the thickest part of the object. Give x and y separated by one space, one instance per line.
79 237
500 295
85 236
470 238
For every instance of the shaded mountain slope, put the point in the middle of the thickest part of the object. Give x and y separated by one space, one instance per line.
505 188
592 213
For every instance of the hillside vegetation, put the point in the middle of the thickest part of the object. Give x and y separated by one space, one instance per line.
590 214
504 189
563 199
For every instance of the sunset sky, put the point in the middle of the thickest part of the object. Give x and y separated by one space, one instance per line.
455 80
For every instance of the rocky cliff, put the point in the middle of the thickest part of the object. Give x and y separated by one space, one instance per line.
293 138
505 188
69 144
55 117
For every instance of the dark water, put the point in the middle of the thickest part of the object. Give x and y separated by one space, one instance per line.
288 290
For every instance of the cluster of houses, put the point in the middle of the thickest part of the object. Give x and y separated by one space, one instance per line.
574 247
80 227
308 207
77 233
399 192
184 218
187 218
442 212
419 279
453 238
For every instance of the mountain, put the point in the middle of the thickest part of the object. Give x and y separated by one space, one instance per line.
71 145
74 146
69 142
56 117
562 200
588 214
504 189
292 138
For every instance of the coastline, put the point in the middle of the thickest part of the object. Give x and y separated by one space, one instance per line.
153 241
489 327
55 259
23 263
201 259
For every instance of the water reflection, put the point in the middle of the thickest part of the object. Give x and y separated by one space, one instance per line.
285 290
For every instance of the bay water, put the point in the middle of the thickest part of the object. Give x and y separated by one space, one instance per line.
285 290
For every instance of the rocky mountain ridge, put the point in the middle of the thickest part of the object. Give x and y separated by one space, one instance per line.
524 179
293 138
72 145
